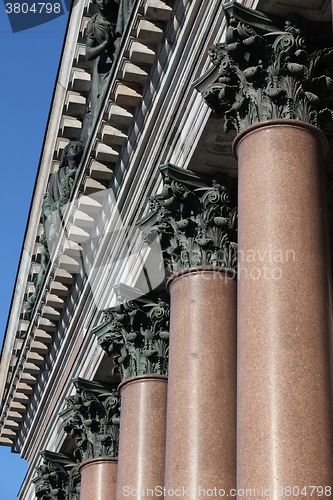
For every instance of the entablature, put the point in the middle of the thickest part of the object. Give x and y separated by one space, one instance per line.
31 336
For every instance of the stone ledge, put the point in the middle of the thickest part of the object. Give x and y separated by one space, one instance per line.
120 117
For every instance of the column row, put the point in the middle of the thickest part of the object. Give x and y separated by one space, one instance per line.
194 414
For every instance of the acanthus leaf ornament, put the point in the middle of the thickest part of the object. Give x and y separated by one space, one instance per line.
91 417
265 72
136 334
58 477
195 217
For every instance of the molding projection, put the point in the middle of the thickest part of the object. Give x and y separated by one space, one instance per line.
136 335
48 287
92 418
58 478
196 218
267 69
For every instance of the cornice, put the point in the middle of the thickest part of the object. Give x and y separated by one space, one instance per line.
32 338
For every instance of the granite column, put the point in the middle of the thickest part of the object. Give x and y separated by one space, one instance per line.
284 312
195 216
201 417
272 81
142 436
91 418
136 334
98 479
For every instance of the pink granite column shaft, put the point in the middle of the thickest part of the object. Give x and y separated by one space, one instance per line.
142 436
201 413
284 312
98 479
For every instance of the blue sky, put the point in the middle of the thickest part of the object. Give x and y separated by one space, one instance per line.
29 61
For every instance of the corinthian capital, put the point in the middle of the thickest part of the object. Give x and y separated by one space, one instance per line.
196 219
91 417
136 335
58 477
267 70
